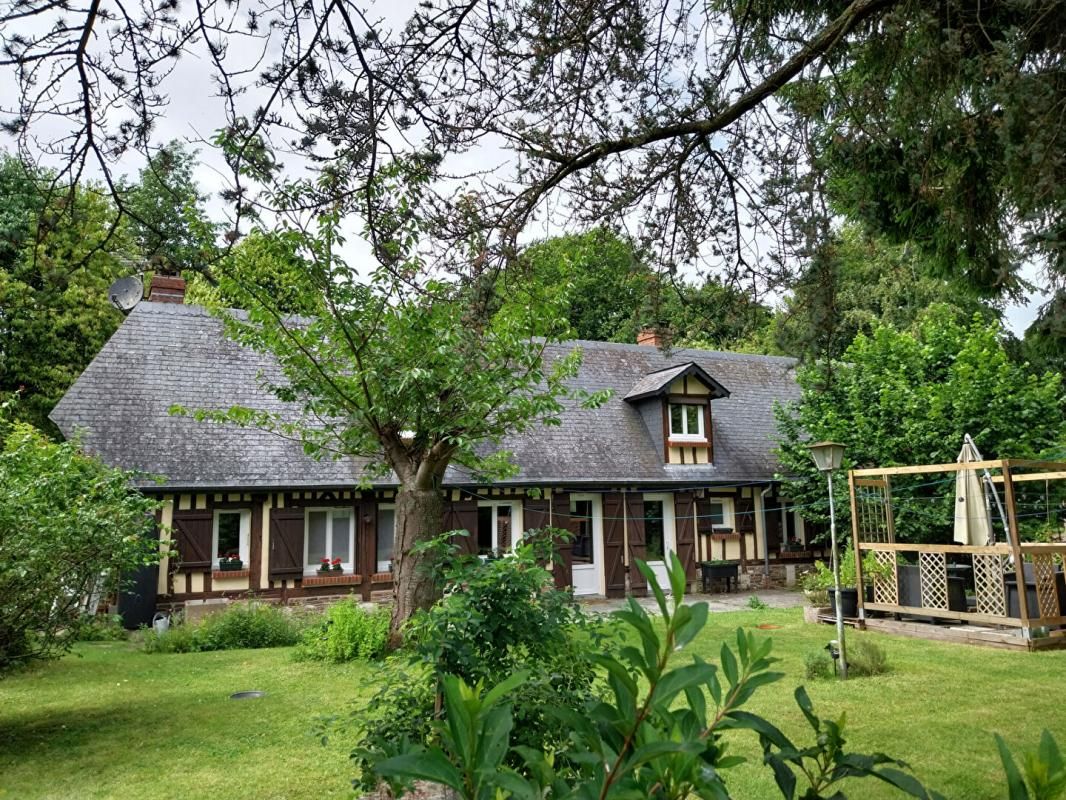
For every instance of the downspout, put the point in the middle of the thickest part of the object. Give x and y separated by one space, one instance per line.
765 539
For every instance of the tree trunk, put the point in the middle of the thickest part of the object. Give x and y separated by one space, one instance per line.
419 517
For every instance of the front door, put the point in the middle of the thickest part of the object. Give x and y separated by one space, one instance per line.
659 534
587 572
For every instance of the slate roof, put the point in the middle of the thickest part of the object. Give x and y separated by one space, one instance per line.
167 353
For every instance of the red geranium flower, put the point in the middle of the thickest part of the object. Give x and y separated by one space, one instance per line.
336 561
325 560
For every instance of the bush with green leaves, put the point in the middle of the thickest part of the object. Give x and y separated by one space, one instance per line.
865 658
102 628
70 530
240 625
346 632
496 617
661 732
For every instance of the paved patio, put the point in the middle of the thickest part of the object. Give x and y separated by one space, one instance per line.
719 601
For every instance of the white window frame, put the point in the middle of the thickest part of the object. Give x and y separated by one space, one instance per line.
516 521
245 533
347 566
686 435
729 519
385 566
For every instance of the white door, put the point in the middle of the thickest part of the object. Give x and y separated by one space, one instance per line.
587 547
659 534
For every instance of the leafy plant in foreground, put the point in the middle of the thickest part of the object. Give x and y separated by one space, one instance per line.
1043 774
660 733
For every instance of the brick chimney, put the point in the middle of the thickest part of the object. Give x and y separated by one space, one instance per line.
650 337
167 289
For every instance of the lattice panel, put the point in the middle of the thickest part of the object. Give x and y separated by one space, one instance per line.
988 584
872 507
1047 594
886 587
933 569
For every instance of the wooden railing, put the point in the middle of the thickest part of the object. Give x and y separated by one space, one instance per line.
988 573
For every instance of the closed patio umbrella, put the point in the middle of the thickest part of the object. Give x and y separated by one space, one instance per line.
973 525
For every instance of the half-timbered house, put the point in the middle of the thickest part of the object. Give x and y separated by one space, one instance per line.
680 458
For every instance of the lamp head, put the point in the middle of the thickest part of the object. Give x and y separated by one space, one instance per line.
828 456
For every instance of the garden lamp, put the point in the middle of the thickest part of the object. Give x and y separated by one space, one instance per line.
828 457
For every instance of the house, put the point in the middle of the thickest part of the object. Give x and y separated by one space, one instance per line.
679 459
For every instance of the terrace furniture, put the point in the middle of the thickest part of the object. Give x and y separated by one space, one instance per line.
1011 583
910 592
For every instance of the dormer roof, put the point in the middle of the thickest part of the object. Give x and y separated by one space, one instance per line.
656 384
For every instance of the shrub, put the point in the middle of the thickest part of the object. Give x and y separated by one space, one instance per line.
240 625
866 658
497 616
818 664
69 527
654 734
756 604
346 632
102 628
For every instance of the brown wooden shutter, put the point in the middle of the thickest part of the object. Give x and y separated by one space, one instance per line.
704 523
772 522
563 567
614 567
461 515
637 548
366 541
685 532
193 538
535 514
286 542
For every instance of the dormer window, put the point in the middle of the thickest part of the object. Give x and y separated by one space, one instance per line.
685 393
686 423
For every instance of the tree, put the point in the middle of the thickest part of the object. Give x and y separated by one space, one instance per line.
608 280
854 283
70 528
908 397
413 379
54 274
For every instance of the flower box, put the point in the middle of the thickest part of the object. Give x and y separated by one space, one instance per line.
332 579
226 574
233 565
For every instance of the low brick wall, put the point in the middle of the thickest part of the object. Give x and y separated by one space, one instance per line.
781 576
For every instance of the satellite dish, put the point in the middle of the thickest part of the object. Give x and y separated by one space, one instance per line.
125 293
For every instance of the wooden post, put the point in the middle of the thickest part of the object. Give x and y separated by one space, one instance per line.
1016 550
890 517
859 588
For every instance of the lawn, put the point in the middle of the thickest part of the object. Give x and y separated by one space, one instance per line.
111 722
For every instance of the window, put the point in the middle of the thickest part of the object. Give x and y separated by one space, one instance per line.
329 534
654 528
493 527
386 537
582 551
686 422
230 534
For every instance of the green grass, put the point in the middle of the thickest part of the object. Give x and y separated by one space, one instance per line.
111 722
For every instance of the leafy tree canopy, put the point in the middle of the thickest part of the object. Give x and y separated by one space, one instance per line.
58 255
909 397
856 282
70 528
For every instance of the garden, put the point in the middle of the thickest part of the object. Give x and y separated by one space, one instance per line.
134 719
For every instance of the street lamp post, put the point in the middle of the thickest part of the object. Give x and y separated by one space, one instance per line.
828 457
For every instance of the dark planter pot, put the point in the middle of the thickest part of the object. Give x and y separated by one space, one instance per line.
709 573
849 601
231 566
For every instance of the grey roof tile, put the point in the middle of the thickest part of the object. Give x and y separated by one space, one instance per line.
165 354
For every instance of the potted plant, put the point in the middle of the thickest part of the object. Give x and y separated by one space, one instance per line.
821 580
336 563
324 566
230 562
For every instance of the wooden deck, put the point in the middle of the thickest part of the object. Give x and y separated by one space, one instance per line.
978 635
